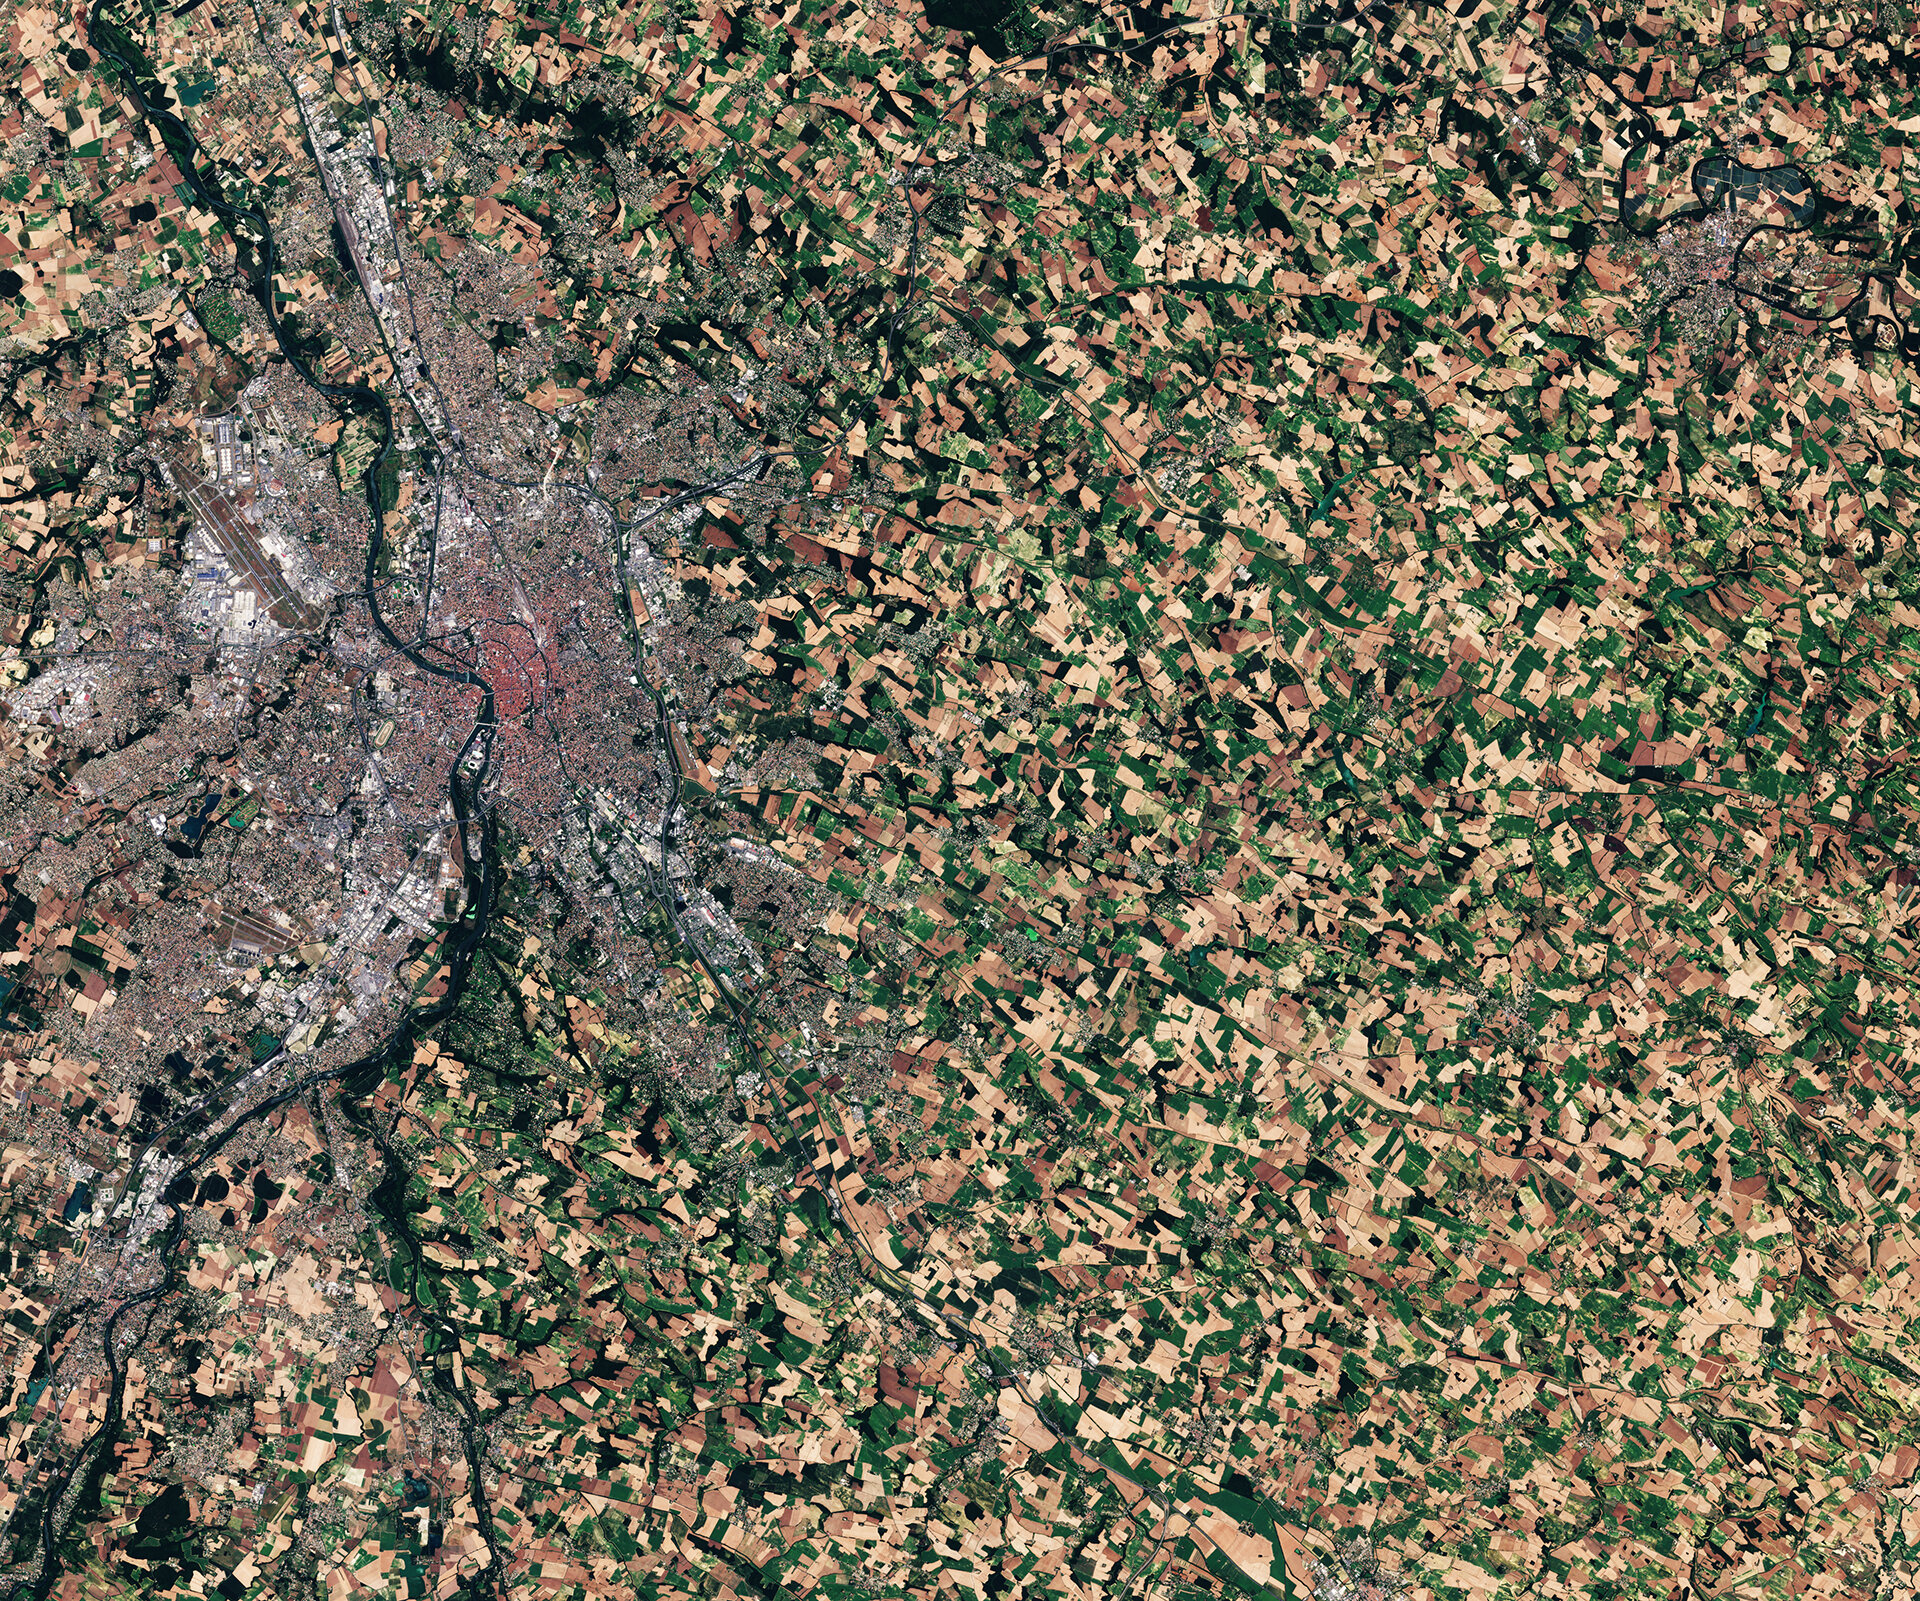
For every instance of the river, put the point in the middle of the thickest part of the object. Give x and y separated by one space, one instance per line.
79 1478
72 1485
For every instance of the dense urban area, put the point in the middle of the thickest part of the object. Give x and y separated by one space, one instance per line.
970 800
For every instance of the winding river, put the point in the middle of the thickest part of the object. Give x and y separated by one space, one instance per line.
72 1485
477 829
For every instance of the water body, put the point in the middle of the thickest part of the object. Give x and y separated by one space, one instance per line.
73 1489
197 824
